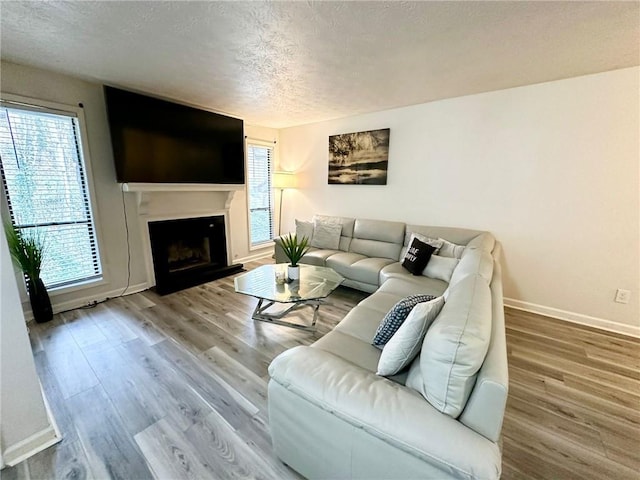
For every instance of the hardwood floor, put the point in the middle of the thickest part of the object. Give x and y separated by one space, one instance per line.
175 387
574 401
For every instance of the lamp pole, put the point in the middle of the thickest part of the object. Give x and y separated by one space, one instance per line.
282 181
280 213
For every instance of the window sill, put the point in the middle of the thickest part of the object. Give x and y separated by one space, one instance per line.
261 246
54 292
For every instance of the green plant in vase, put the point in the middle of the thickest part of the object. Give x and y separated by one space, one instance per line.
294 249
27 252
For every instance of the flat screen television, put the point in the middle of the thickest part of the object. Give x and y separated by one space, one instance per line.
156 141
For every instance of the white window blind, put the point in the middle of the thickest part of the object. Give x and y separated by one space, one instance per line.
45 185
260 201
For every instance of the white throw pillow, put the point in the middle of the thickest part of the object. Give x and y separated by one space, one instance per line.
407 341
304 229
440 267
449 249
326 235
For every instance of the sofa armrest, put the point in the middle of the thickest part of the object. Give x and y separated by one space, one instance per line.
387 410
278 251
485 408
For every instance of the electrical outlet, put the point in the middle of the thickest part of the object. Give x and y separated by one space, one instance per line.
622 296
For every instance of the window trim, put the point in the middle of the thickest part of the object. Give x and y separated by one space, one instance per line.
259 143
45 106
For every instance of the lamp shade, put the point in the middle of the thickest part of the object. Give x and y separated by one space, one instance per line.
284 180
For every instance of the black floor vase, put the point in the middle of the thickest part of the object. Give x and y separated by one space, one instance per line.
40 302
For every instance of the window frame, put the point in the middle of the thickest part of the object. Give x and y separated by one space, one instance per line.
260 144
45 106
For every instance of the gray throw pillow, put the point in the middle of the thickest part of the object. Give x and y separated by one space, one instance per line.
304 229
395 317
326 235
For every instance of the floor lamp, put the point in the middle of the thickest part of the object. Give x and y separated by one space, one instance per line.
282 181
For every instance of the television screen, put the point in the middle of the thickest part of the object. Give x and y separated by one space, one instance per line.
155 141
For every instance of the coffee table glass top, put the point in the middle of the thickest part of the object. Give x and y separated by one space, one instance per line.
314 283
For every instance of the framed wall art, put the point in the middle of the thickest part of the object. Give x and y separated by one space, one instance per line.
359 158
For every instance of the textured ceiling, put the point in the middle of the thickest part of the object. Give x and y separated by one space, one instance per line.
289 63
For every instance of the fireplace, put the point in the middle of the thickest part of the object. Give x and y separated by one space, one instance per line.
188 252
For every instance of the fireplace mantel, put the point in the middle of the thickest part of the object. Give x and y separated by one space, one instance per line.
142 190
181 187
172 201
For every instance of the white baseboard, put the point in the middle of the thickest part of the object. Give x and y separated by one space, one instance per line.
601 323
35 443
257 256
84 301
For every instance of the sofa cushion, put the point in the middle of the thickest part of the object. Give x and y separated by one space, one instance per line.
403 281
379 230
317 256
396 317
417 256
473 261
326 235
485 242
377 238
461 236
374 248
350 348
405 344
381 302
358 267
455 347
361 322
362 286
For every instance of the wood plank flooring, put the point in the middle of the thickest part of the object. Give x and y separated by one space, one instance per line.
574 401
174 387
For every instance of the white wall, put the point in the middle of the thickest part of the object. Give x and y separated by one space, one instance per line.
551 169
53 87
25 427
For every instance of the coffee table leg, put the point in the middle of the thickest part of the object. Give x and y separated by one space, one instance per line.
261 315
316 308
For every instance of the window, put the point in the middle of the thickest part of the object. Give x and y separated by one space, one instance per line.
45 184
259 197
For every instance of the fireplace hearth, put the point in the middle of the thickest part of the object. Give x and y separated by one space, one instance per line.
188 252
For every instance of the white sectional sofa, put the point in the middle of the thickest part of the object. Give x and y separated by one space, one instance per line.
332 417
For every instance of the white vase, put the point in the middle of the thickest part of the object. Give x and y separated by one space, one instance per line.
294 272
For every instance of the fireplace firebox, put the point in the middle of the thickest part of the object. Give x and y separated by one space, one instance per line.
188 252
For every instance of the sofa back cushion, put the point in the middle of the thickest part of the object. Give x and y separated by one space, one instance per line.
473 262
455 347
347 228
485 242
377 238
460 236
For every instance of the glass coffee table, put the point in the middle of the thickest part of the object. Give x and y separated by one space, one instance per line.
314 285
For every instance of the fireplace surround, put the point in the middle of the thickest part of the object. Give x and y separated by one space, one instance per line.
188 252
